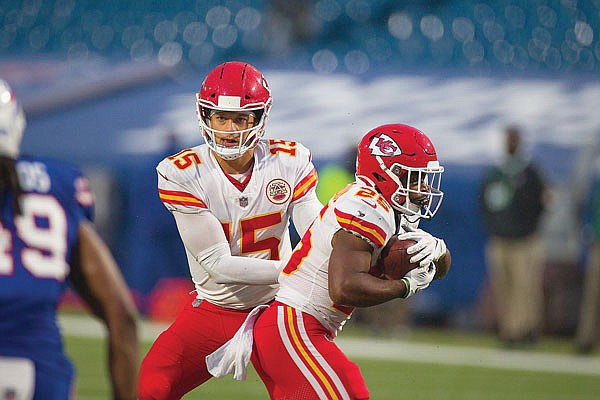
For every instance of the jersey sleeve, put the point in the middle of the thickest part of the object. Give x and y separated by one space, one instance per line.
365 217
179 188
305 205
306 178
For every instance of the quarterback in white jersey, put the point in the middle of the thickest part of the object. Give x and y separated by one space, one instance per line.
254 221
398 180
232 199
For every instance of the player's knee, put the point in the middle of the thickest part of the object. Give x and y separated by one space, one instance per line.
154 387
154 384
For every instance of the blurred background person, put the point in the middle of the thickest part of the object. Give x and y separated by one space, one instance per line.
586 333
512 199
47 237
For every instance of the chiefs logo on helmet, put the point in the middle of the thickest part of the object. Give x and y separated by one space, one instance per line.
384 146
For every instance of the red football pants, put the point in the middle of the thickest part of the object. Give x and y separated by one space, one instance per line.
297 360
175 364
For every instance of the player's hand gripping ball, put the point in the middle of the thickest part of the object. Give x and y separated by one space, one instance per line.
394 261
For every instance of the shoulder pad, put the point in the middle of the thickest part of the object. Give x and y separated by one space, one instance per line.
361 211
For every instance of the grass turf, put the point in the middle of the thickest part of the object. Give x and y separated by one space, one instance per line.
385 379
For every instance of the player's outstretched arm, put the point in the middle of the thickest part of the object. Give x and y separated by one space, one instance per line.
98 280
202 235
350 283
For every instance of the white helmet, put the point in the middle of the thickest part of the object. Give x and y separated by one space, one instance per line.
12 122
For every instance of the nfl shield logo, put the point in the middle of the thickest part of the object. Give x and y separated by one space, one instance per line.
243 201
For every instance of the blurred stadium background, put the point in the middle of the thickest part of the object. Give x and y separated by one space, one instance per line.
110 86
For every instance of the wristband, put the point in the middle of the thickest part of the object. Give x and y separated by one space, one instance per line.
407 284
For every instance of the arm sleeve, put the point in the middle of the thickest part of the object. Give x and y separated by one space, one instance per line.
212 251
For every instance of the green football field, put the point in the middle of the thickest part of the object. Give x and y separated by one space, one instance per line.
456 366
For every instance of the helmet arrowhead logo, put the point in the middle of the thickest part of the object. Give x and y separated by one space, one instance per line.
385 146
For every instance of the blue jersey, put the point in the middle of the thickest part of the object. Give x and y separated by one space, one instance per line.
35 248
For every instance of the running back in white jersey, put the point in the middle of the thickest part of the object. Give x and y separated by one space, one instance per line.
357 209
255 220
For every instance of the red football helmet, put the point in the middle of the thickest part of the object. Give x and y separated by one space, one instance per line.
234 86
390 158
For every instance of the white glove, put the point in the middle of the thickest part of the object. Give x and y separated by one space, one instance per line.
428 248
418 279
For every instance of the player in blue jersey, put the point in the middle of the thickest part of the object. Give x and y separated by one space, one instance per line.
47 239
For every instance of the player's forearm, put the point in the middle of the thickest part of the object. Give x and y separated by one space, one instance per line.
222 267
202 235
98 280
124 361
365 290
351 284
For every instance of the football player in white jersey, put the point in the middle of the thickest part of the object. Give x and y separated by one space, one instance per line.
232 198
397 184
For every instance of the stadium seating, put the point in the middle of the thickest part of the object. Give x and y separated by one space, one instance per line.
353 36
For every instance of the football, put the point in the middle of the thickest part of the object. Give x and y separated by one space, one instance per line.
394 261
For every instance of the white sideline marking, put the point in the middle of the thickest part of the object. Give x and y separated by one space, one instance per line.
386 349
86 326
469 356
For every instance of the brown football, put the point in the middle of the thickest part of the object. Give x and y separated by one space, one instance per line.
394 262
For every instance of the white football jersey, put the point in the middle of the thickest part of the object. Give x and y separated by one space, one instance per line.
303 282
255 220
